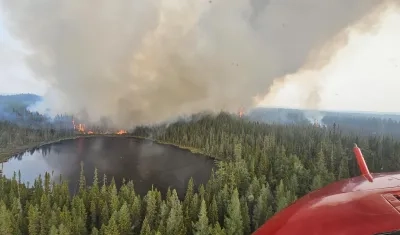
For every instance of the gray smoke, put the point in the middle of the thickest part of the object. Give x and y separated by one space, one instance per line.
147 61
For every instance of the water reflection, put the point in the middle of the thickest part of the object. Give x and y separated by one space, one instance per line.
143 162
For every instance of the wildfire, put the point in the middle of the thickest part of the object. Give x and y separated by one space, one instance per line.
80 127
241 112
121 132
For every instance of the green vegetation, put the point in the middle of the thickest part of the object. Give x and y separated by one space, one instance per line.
263 169
191 149
15 139
363 123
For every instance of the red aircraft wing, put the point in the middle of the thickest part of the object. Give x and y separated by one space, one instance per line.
367 204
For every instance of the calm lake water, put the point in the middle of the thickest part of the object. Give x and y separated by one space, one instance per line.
143 162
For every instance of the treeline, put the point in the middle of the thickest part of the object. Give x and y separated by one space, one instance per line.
262 169
15 109
14 137
22 116
357 123
219 135
365 125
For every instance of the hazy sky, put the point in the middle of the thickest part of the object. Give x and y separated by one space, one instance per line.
15 77
365 75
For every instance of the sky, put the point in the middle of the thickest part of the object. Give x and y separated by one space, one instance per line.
363 76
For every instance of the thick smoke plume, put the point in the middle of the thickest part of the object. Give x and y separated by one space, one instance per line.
308 76
146 61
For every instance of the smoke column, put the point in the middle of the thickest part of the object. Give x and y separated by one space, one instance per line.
140 62
321 61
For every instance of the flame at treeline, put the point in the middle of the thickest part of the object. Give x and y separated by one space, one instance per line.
121 132
241 112
81 128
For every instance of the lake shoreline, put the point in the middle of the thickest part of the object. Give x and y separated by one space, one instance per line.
191 149
7 154
122 157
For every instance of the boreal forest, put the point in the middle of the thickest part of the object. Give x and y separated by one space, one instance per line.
261 168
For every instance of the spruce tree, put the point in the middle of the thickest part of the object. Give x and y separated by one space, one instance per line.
201 227
233 218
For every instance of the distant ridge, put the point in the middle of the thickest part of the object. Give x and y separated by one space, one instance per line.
25 98
15 105
291 115
331 111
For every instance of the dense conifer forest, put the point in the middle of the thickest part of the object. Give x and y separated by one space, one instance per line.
262 168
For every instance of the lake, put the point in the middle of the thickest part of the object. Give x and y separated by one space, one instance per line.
142 161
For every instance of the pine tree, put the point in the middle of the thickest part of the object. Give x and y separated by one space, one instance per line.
94 190
194 208
151 208
124 222
95 231
5 220
78 216
65 221
316 183
45 210
112 227
136 211
187 202
53 230
217 230
93 213
261 209
244 210
146 230
281 199
233 219
63 230
34 220
113 195
343 169
175 221
201 227
17 217
104 215
162 219
213 212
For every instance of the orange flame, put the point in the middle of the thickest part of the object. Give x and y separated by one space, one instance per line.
80 127
121 132
241 112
